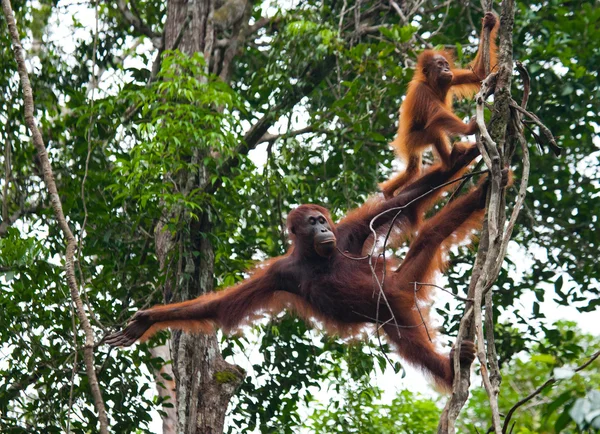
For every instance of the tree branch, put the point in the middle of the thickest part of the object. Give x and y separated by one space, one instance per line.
12 218
260 23
138 24
545 130
273 137
494 149
59 214
526 83
237 39
399 11
7 176
313 77
537 391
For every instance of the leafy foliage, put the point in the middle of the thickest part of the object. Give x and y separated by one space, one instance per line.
359 413
125 139
568 406
169 127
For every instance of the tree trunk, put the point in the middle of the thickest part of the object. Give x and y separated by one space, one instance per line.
204 382
165 386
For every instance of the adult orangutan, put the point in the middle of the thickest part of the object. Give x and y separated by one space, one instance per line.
322 276
426 115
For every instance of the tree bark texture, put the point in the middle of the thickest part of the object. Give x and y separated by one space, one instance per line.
204 381
165 386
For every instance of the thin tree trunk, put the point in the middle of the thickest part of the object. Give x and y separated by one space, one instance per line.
165 385
54 197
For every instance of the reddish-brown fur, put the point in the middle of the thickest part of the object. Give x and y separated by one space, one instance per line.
426 115
338 291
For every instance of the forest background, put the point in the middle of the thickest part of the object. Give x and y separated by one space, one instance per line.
178 146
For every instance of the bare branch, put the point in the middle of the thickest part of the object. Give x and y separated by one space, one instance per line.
436 31
365 30
261 23
458 297
493 148
313 76
236 40
545 130
526 83
138 24
12 218
539 390
229 13
399 11
273 137
480 99
495 378
73 369
7 175
42 154
116 60
520 198
222 43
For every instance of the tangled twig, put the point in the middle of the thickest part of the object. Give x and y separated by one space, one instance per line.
539 390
